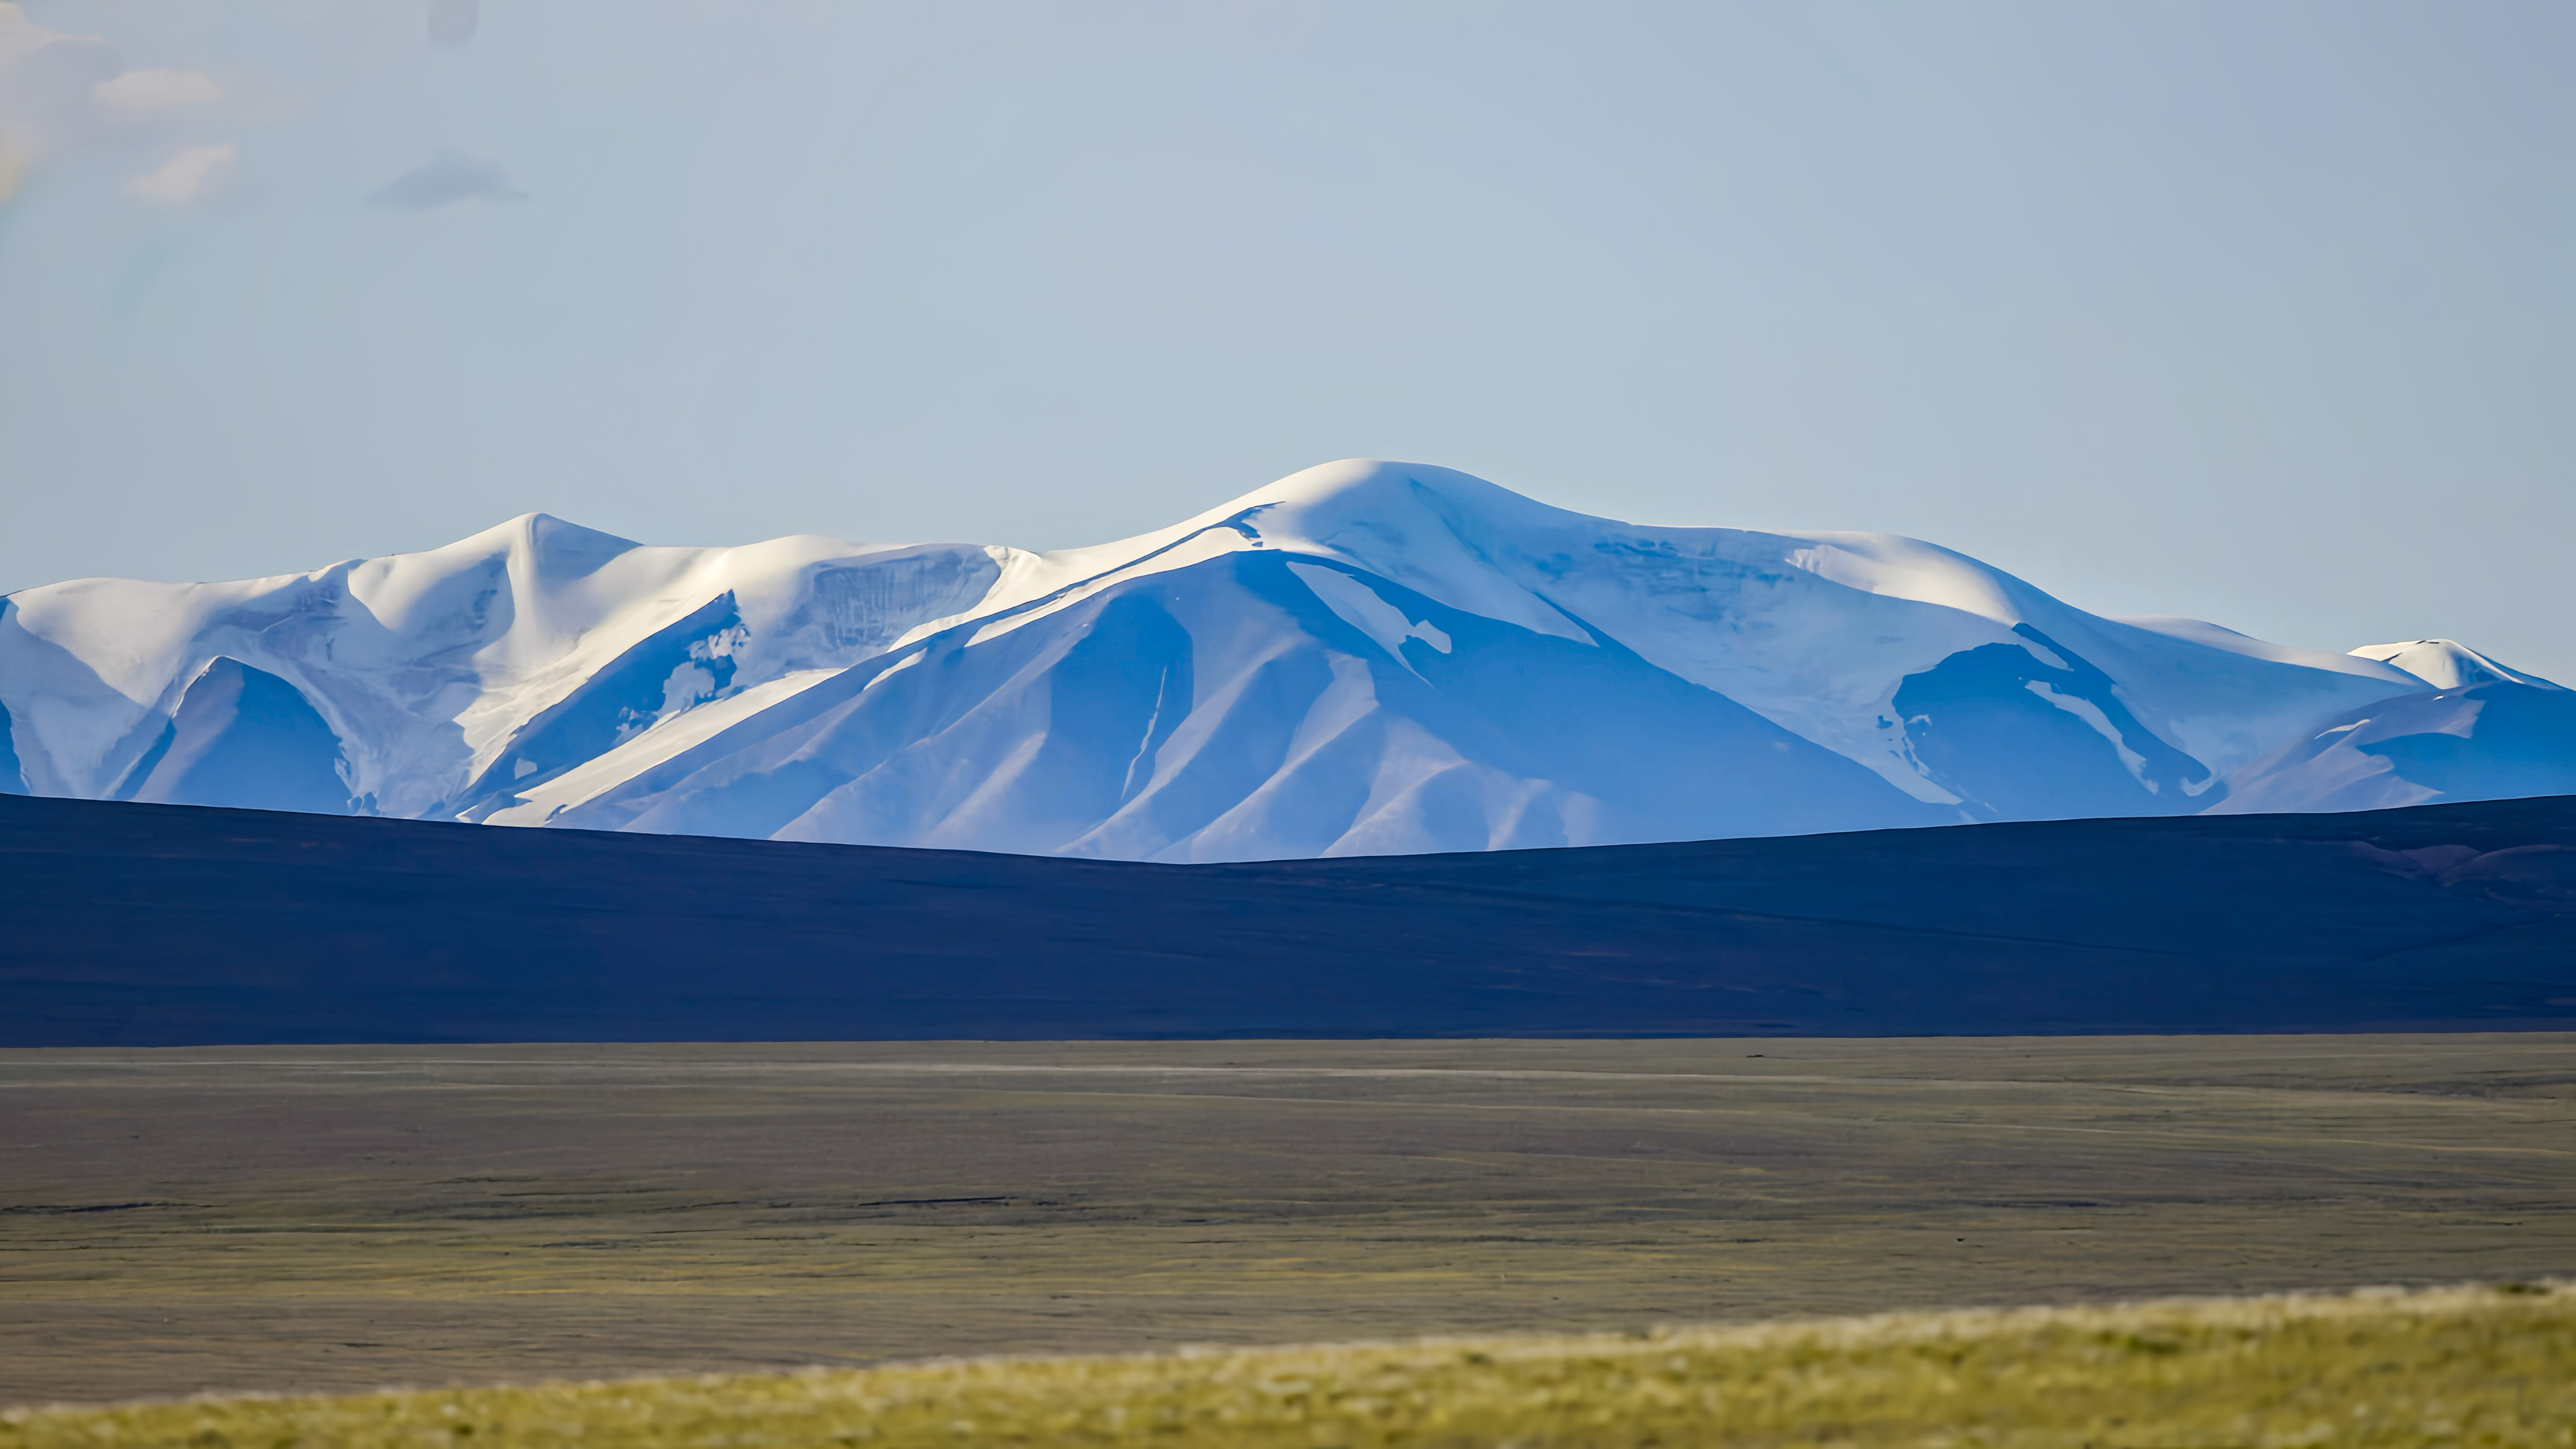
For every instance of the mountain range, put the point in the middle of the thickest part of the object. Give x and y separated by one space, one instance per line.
1365 658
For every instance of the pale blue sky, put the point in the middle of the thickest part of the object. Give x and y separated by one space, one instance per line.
2264 313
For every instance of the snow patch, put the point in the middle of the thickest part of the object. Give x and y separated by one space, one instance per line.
1359 606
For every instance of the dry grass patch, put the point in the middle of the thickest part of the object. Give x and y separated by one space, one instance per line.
2467 1366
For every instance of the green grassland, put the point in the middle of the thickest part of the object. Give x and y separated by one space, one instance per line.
2465 1366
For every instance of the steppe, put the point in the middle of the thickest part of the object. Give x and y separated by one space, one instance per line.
338 1218
2491 1366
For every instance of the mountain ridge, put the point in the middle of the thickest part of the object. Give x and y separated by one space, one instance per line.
259 926
1364 657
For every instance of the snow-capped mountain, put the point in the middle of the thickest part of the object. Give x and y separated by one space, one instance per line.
1362 658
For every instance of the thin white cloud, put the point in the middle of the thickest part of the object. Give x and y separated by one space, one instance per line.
446 178
192 174
64 95
45 76
20 36
160 88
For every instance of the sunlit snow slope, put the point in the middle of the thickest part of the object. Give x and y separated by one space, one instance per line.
1361 658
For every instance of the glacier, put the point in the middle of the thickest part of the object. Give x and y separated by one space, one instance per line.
1364 658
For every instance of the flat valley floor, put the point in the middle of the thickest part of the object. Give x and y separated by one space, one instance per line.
280 1218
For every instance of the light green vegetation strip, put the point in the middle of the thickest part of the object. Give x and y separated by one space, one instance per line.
2465 1366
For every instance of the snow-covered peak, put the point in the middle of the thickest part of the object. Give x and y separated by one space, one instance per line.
2218 636
1449 534
1365 655
1812 630
427 664
2447 664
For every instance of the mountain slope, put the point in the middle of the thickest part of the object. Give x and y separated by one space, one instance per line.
245 738
2490 741
1360 658
1226 710
426 667
242 926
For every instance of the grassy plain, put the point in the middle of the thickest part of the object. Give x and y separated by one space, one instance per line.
316 1219
2477 1366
